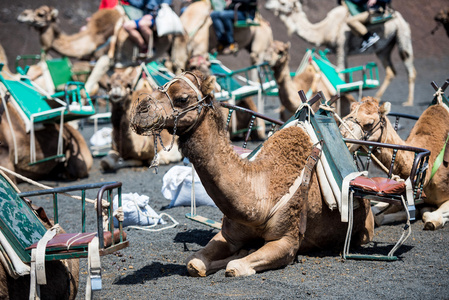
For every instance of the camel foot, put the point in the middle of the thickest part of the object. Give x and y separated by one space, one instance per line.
432 221
108 163
237 268
407 103
196 268
379 219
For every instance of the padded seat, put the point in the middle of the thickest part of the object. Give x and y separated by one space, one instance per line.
69 240
379 185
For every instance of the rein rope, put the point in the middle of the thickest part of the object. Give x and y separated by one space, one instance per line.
178 113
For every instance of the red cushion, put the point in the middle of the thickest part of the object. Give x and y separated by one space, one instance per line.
379 185
77 239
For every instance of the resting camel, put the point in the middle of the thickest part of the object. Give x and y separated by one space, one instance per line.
246 191
78 159
278 57
368 119
129 148
200 38
333 33
62 276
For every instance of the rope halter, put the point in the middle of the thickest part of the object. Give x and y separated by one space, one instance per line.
154 111
366 134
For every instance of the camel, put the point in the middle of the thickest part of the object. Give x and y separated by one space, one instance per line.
246 191
128 148
430 132
278 58
103 28
78 159
200 38
62 276
333 33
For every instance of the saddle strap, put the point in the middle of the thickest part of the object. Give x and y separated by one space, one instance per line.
307 176
302 181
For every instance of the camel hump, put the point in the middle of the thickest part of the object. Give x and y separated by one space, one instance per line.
104 20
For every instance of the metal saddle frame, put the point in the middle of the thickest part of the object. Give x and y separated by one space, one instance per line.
22 228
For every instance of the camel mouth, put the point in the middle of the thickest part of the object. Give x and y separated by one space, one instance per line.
148 116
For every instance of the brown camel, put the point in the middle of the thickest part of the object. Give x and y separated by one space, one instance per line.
129 148
246 191
62 276
308 80
334 33
200 38
78 159
104 25
368 119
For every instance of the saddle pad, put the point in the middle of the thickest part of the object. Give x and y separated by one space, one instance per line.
78 239
380 185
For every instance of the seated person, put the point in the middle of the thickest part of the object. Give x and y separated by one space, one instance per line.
141 29
223 23
356 22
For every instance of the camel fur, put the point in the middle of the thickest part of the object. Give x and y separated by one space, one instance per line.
128 148
78 159
334 33
245 191
430 132
103 28
199 38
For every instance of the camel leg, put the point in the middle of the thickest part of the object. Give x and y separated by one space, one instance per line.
272 255
101 67
212 258
436 219
389 75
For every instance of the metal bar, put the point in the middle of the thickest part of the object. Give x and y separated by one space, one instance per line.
83 210
65 189
104 188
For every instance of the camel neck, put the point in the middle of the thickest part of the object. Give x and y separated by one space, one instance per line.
287 92
222 172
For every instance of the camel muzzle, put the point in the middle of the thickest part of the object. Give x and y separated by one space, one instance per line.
148 116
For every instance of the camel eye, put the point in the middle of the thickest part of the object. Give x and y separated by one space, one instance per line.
183 99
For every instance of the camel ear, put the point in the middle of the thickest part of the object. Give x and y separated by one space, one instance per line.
208 85
385 108
287 45
54 13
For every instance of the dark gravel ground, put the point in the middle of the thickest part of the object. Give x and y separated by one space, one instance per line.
153 265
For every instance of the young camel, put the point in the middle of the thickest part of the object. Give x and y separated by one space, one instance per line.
334 33
128 148
368 118
246 191
278 58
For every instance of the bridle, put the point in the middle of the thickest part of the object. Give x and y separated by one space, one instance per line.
176 113
380 125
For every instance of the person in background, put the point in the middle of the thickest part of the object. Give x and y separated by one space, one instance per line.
357 22
223 23
141 29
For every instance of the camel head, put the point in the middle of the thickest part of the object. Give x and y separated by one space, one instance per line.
40 17
121 85
177 106
277 55
283 6
366 120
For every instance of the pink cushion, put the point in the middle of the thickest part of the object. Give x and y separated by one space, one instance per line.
379 185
